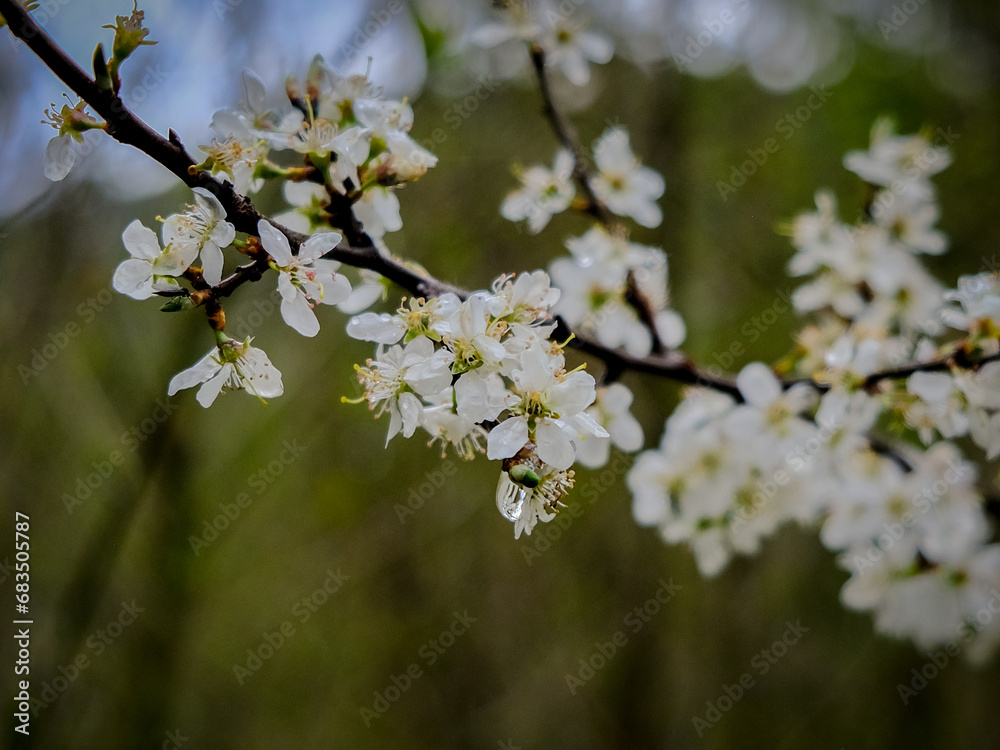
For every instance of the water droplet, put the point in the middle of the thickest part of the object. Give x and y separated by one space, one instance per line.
510 498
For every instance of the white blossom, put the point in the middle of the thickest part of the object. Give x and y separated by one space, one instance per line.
304 280
622 183
203 229
135 277
544 193
230 365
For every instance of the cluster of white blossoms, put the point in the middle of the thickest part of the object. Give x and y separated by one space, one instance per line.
613 289
354 146
355 138
907 522
481 375
201 230
569 46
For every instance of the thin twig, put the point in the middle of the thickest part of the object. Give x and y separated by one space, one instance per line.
582 175
570 141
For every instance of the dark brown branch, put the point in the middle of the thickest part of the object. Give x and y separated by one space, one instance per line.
125 127
570 141
672 365
959 358
582 176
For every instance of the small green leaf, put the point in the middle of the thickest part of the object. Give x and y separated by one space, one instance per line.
177 304
102 76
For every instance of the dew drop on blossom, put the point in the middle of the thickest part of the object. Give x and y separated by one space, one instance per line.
510 498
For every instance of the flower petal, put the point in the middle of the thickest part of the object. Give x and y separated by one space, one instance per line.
555 446
199 372
299 315
141 241
758 385
134 277
318 245
507 438
211 262
275 243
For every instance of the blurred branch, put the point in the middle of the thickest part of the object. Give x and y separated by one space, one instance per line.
595 206
570 141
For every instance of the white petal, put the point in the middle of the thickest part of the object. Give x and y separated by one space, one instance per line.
573 394
210 391
593 452
141 241
507 438
134 277
211 263
299 315
555 446
254 91
318 245
336 287
362 297
201 371
491 34
286 288
381 328
275 243
671 329
410 410
932 387
59 157
596 47
626 432
758 385
259 376
209 204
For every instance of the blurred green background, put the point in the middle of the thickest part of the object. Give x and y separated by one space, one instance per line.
151 636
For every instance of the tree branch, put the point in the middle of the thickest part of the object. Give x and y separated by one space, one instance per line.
582 176
570 141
